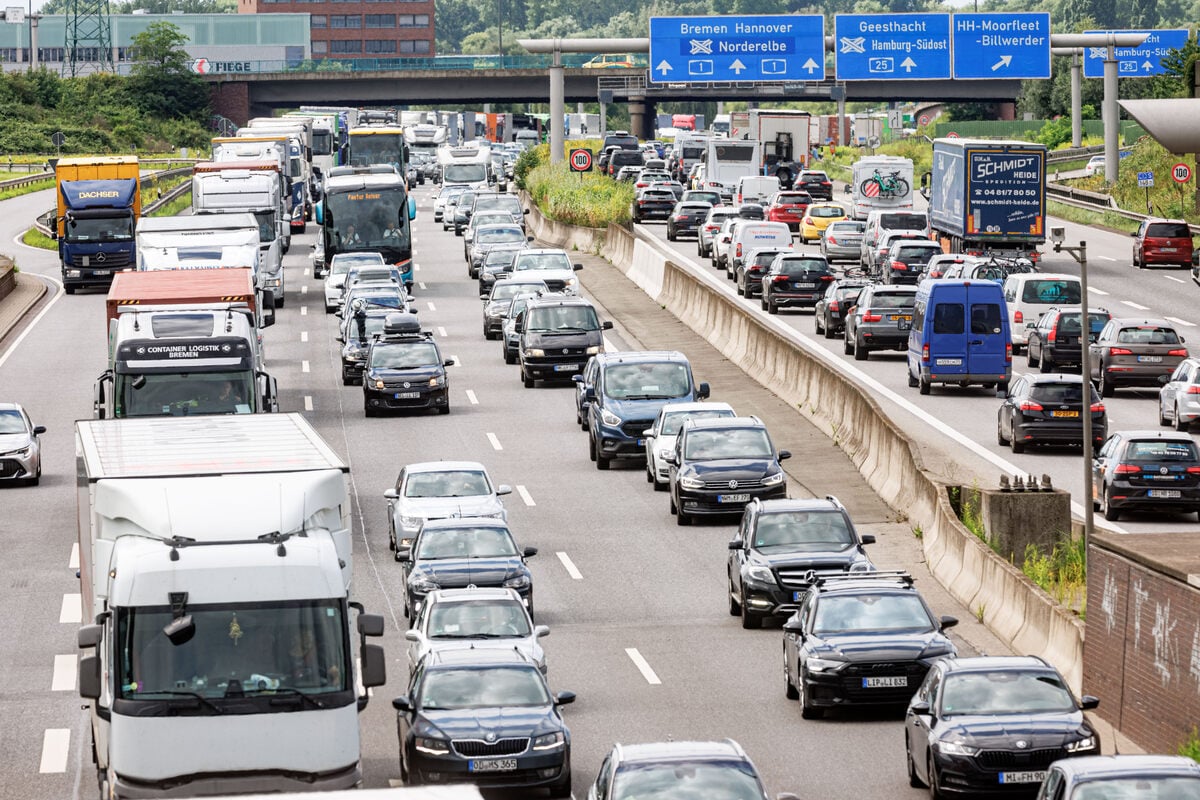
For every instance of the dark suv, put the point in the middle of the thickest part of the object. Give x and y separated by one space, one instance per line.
360 330
624 158
720 465
626 392
1057 338
858 640
781 545
906 260
829 314
795 280
685 219
880 320
405 370
556 336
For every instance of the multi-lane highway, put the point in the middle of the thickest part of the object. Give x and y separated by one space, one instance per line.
635 603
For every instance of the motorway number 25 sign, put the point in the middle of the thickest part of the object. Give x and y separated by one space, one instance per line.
581 160
1181 172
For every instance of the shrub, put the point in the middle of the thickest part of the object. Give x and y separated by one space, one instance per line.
586 199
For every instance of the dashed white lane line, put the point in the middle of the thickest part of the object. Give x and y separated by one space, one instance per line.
305 273
73 562
304 366
56 746
1173 278
472 398
71 612
1182 322
304 290
304 336
304 311
65 669
569 566
1108 258
495 442
430 306
416 267
441 332
422 285
1132 304
609 347
457 361
525 496
308 406
643 666
1100 292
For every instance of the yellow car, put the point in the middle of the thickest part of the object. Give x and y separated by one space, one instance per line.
611 61
819 217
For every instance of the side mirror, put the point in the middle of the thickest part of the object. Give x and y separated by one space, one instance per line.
370 624
38 430
795 626
1088 702
948 622
1134 234
540 631
449 362
340 339
577 378
847 190
784 455
525 211
577 267
606 325
867 538
671 459
374 670
89 635
564 698
529 552
91 681
529 238
703 391
736 544
402 703
412 635
391 494
503 488
648 433
412 208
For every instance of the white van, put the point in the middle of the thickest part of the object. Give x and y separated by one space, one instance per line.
1028 295
755 189
752 236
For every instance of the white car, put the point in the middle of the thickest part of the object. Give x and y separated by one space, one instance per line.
335 278
660 437
553 267
439 202
475 618
438 490
708 230
1094 166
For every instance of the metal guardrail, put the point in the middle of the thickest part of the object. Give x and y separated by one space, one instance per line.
45 222
1096 201
28 180
1074 153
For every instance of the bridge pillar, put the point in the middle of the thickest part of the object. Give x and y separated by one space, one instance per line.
641 118
231 99
557 109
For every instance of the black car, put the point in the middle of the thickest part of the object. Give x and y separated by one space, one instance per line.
496 264
360 330
485 717
623 158
463 551
1057 338
492 236
829 314
497 303
686 218
462 212
674 769
906 260
816 183
748 274
861 640
1122 776
405 370
880 320
1146 471
992 725
1047 409
752 211
781 546
652 204
795 280
556 336
720 465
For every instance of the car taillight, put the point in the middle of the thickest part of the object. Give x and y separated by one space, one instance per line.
1018 317
1193 389
1193 470
830 239
739 250
681 217
924 354
1097 408
1052 336
1119 351
835 307
1029 405
899 266
808 220
1008 352
1127 469
1182 352
780 279
869 317
826 183
826 278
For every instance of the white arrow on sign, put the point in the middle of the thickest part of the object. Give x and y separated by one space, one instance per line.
1146 65
908 64
737 66
811 65
664 67
1003 62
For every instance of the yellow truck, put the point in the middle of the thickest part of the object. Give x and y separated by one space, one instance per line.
99 203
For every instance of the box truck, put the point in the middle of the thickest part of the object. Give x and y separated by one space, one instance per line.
99 203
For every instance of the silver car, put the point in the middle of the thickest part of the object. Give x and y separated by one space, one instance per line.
842 241
475 618
20 448
660 437
335 278
1179 398
439 490
497 303
439 202
709 228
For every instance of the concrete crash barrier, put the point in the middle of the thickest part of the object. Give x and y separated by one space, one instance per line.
997 592
8 276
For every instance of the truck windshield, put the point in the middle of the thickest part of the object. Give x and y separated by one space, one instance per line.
464 173
100 229
377 148
322 142
266 226
370 220
238 650
184 394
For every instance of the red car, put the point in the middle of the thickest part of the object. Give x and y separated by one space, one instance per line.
1163 241
789 207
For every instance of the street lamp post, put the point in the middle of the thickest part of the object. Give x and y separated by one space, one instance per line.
500 29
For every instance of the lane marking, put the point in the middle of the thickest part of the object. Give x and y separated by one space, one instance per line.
71 612
1182 322
416 267
304 289
1132 304
643 666
569 566
308 406
422 285
1094 290
471 396
1173 278
430 306
304 336
609 347
56 746
65 669
73 563
525 495
495 442
457 361
305 273
304 311
304 366
442 332
1108 258
33 323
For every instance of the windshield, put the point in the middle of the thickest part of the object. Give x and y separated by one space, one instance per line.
902 222
1051 292
1147 334
804 530
1059 393
478 220
452 483
569 319
1139 788
545 261
183 394
441 543
500 203
1005 692
12 422
100 229
238 650
322 143
404 355
825 211
376 148
727 443
453 689
872 613
498 235
729 780
647 381
1161 450
374 219
507 291
499 258
1168 230
266 226
464 173
674 421
478 619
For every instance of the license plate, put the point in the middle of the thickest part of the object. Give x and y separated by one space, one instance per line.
949 362
898 682
798 596
733 498
566 367
906 317
1168 250
1067 414
1031 776
1149 359
805 285
1165 494
492 765
641 442
407 395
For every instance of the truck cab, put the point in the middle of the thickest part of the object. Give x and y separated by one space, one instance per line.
99 203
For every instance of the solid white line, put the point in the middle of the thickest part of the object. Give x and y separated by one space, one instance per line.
1132 304
304 336
442 332
304 311
457 361
471 396
525 495
609 347
304 290
308 406
642 665
1173 278
495 442
1108 258
430 306
569 566
73 563
1182 322
304 366
56 746
71 612
422 285
1094 290
33 323
65 669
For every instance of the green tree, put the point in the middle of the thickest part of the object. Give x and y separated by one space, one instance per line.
1143 14
161 83
1181 63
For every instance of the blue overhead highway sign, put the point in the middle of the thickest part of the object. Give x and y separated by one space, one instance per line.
1143 61
1001 46
892 47
759 48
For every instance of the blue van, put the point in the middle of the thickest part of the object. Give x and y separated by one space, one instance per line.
959 335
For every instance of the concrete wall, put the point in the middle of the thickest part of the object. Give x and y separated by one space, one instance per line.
8 277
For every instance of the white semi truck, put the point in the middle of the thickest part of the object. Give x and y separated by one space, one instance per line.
215 569
248 150
210 241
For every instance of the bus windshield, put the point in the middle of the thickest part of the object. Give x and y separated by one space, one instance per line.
370 219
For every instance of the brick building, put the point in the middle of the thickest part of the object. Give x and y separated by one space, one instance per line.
343 29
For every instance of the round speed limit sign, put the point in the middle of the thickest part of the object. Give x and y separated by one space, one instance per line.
581 160
1181 172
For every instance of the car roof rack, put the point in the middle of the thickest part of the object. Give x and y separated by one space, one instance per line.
819 579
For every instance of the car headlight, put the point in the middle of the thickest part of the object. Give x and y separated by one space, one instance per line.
594 350
411 522
569 282
862 566
534 352
440 380
419 582
956 749
435 747
609 418
691 483
549 741
773 480
664 454
1083 744
815 664
760 573
518 582
379 384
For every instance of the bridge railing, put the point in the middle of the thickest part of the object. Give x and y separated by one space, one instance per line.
327 65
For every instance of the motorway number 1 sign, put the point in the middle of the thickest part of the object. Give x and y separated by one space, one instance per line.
1181 172
581 160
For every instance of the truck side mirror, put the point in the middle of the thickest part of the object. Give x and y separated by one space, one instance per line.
412 208
91 683
374 670
370 624
703 391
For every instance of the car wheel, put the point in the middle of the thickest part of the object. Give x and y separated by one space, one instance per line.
1139 263
444 409
924 385
772 308
935 787
912 381
330 309
1017 447
683 520
735 608
807 710
789 689
602 463
1180 423
510 359
847 348
829 331
861 353
1162 418
1111 514
1030 361
914 780
763 301
1047 364
1106 389
750 620
367 410
591 448
526 380
817 322
562 787
1000 440
670 235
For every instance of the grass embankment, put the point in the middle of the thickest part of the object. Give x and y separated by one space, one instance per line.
175 206
35 238
588 199
38 186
